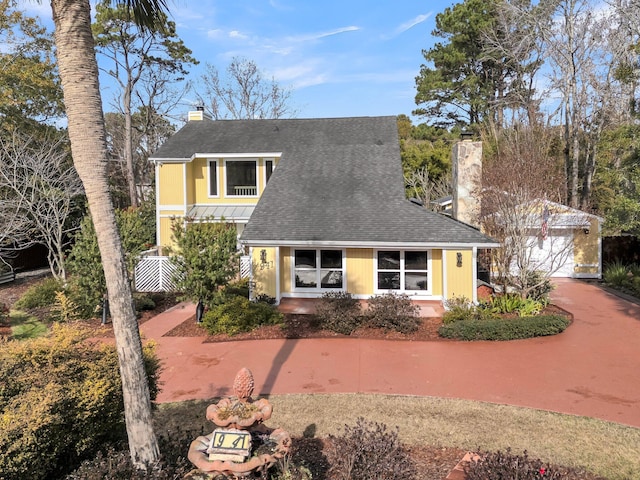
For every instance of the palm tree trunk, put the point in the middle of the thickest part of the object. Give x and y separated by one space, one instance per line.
79 75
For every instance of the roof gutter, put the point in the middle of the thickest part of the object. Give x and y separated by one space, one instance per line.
360 244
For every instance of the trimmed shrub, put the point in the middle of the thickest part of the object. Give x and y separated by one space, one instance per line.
505 329
42 294
60 402
238 287
239 314
369 451
143 301
391 311
507 466
339 312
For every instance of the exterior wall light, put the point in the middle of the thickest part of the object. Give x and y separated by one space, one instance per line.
459 259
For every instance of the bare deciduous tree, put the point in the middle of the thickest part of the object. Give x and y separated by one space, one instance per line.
427 189
521 185
244 93
39 190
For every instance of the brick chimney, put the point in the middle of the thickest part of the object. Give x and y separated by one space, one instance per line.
466 160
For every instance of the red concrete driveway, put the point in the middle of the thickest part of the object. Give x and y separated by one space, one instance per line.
592 369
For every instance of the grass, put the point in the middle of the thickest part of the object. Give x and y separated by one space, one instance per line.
24 326
604 448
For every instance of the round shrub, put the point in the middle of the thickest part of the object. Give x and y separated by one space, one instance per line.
505 329
339 312
368 450
60 402
239 314
42 294
391 311
143 301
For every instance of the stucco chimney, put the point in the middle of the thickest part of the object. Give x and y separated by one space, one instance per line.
197 114
467 177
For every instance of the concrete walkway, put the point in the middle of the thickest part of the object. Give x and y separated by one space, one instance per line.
592 369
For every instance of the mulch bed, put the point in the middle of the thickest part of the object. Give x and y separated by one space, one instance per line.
306 326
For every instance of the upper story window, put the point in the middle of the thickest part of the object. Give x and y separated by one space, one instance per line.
242 179
268 170
213 178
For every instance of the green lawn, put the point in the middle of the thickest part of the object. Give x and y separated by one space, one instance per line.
25 326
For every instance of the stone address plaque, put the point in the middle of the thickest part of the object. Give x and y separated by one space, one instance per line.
229 444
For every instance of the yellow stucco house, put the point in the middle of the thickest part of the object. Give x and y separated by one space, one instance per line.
319 205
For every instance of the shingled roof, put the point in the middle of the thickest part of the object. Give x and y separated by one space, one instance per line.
339 182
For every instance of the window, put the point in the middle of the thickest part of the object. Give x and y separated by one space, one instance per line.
403 270
241 178
268 167
319 269
213 178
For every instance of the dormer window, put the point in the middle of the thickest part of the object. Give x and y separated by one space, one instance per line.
242 178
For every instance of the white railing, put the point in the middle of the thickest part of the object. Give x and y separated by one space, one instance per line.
154 274
245 190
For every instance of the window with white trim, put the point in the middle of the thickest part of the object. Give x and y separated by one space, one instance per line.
269 165
403 270
317 269
241 178
213 178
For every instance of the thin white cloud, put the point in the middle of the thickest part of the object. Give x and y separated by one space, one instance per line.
237 35
317 36
408 25
412 23
279 6
215 34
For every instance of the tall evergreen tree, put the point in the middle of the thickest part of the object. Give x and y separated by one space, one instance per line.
134 55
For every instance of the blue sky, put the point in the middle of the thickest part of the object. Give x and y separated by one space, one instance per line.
340 57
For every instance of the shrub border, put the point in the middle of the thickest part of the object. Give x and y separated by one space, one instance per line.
471 330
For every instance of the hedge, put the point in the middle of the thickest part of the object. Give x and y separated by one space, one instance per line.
505 329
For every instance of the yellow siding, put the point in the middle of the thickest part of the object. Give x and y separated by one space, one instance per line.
285 270
264 272
359 271
436 272
459 279
171 184
199 186
165 232
586 249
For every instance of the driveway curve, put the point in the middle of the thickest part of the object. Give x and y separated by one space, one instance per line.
592 369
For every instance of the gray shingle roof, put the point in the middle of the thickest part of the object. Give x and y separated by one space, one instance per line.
339 181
